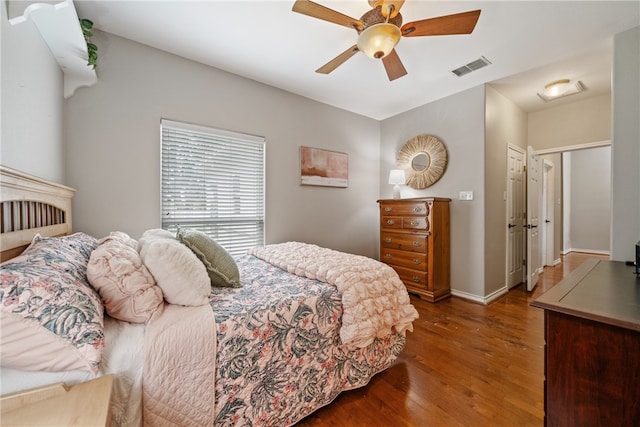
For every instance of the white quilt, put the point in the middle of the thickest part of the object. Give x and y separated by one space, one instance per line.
374 299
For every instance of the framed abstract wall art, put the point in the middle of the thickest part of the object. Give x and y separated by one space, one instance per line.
324 167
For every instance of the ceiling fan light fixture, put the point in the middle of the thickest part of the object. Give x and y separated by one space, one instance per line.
556 88
378 40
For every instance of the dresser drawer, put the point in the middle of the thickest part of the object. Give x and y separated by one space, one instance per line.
402 209
391 222
406 242
415 223
404 259
405 222
414 277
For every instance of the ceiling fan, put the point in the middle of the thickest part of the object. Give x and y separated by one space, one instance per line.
380 29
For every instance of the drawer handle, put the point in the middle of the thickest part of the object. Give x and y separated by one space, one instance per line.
416 261
388 256
388 240
417 243
390 222
417 209
388 209
415 222
416 279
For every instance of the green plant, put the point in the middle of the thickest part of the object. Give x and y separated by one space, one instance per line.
86 26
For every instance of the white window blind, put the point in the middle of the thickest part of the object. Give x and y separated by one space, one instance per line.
213 181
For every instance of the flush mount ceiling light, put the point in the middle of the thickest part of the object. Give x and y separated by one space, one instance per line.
556 88
560 89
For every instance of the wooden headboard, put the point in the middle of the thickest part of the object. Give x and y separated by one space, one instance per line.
30 205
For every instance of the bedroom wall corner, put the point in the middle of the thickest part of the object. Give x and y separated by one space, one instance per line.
458 120
32 102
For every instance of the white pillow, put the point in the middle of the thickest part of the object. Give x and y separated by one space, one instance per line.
176 269
153 234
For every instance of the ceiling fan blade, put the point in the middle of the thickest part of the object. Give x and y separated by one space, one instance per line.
338 60
459 23
393 65
316 10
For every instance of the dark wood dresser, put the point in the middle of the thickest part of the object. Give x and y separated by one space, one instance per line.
414 240
592 351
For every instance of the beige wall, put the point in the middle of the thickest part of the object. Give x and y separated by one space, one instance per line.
580 122
113 146
32 100
458 121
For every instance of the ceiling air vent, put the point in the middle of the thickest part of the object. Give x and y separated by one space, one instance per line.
471 66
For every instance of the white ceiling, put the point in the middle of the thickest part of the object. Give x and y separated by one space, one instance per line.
529 43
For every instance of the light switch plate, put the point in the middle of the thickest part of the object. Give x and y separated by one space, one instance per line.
466 195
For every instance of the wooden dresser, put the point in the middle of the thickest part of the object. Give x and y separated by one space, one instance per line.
592 348
414 240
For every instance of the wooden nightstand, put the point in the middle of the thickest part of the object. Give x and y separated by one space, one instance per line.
84 404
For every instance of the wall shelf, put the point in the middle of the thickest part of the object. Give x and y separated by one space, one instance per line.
60 28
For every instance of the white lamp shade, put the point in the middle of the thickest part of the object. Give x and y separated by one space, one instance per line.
378 40
396 176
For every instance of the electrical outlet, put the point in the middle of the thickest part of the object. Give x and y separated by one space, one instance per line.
466 195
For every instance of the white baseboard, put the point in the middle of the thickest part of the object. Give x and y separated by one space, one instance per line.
588 251
477 298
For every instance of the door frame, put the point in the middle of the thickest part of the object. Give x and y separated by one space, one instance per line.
565 191
548 208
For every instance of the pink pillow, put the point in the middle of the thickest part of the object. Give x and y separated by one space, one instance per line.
127 288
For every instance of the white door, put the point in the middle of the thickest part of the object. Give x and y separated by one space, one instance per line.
548 206
533 218
515 217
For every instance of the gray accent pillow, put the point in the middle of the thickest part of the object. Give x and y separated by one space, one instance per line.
221 267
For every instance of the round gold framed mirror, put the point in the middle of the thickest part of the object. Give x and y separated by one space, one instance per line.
424 160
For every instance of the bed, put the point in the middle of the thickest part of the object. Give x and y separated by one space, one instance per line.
262 339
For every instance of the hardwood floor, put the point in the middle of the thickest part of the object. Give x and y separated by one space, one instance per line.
465 364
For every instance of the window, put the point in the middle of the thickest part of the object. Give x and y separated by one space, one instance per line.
213 181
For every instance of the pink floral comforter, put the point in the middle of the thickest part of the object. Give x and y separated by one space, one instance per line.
374 299
279 353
